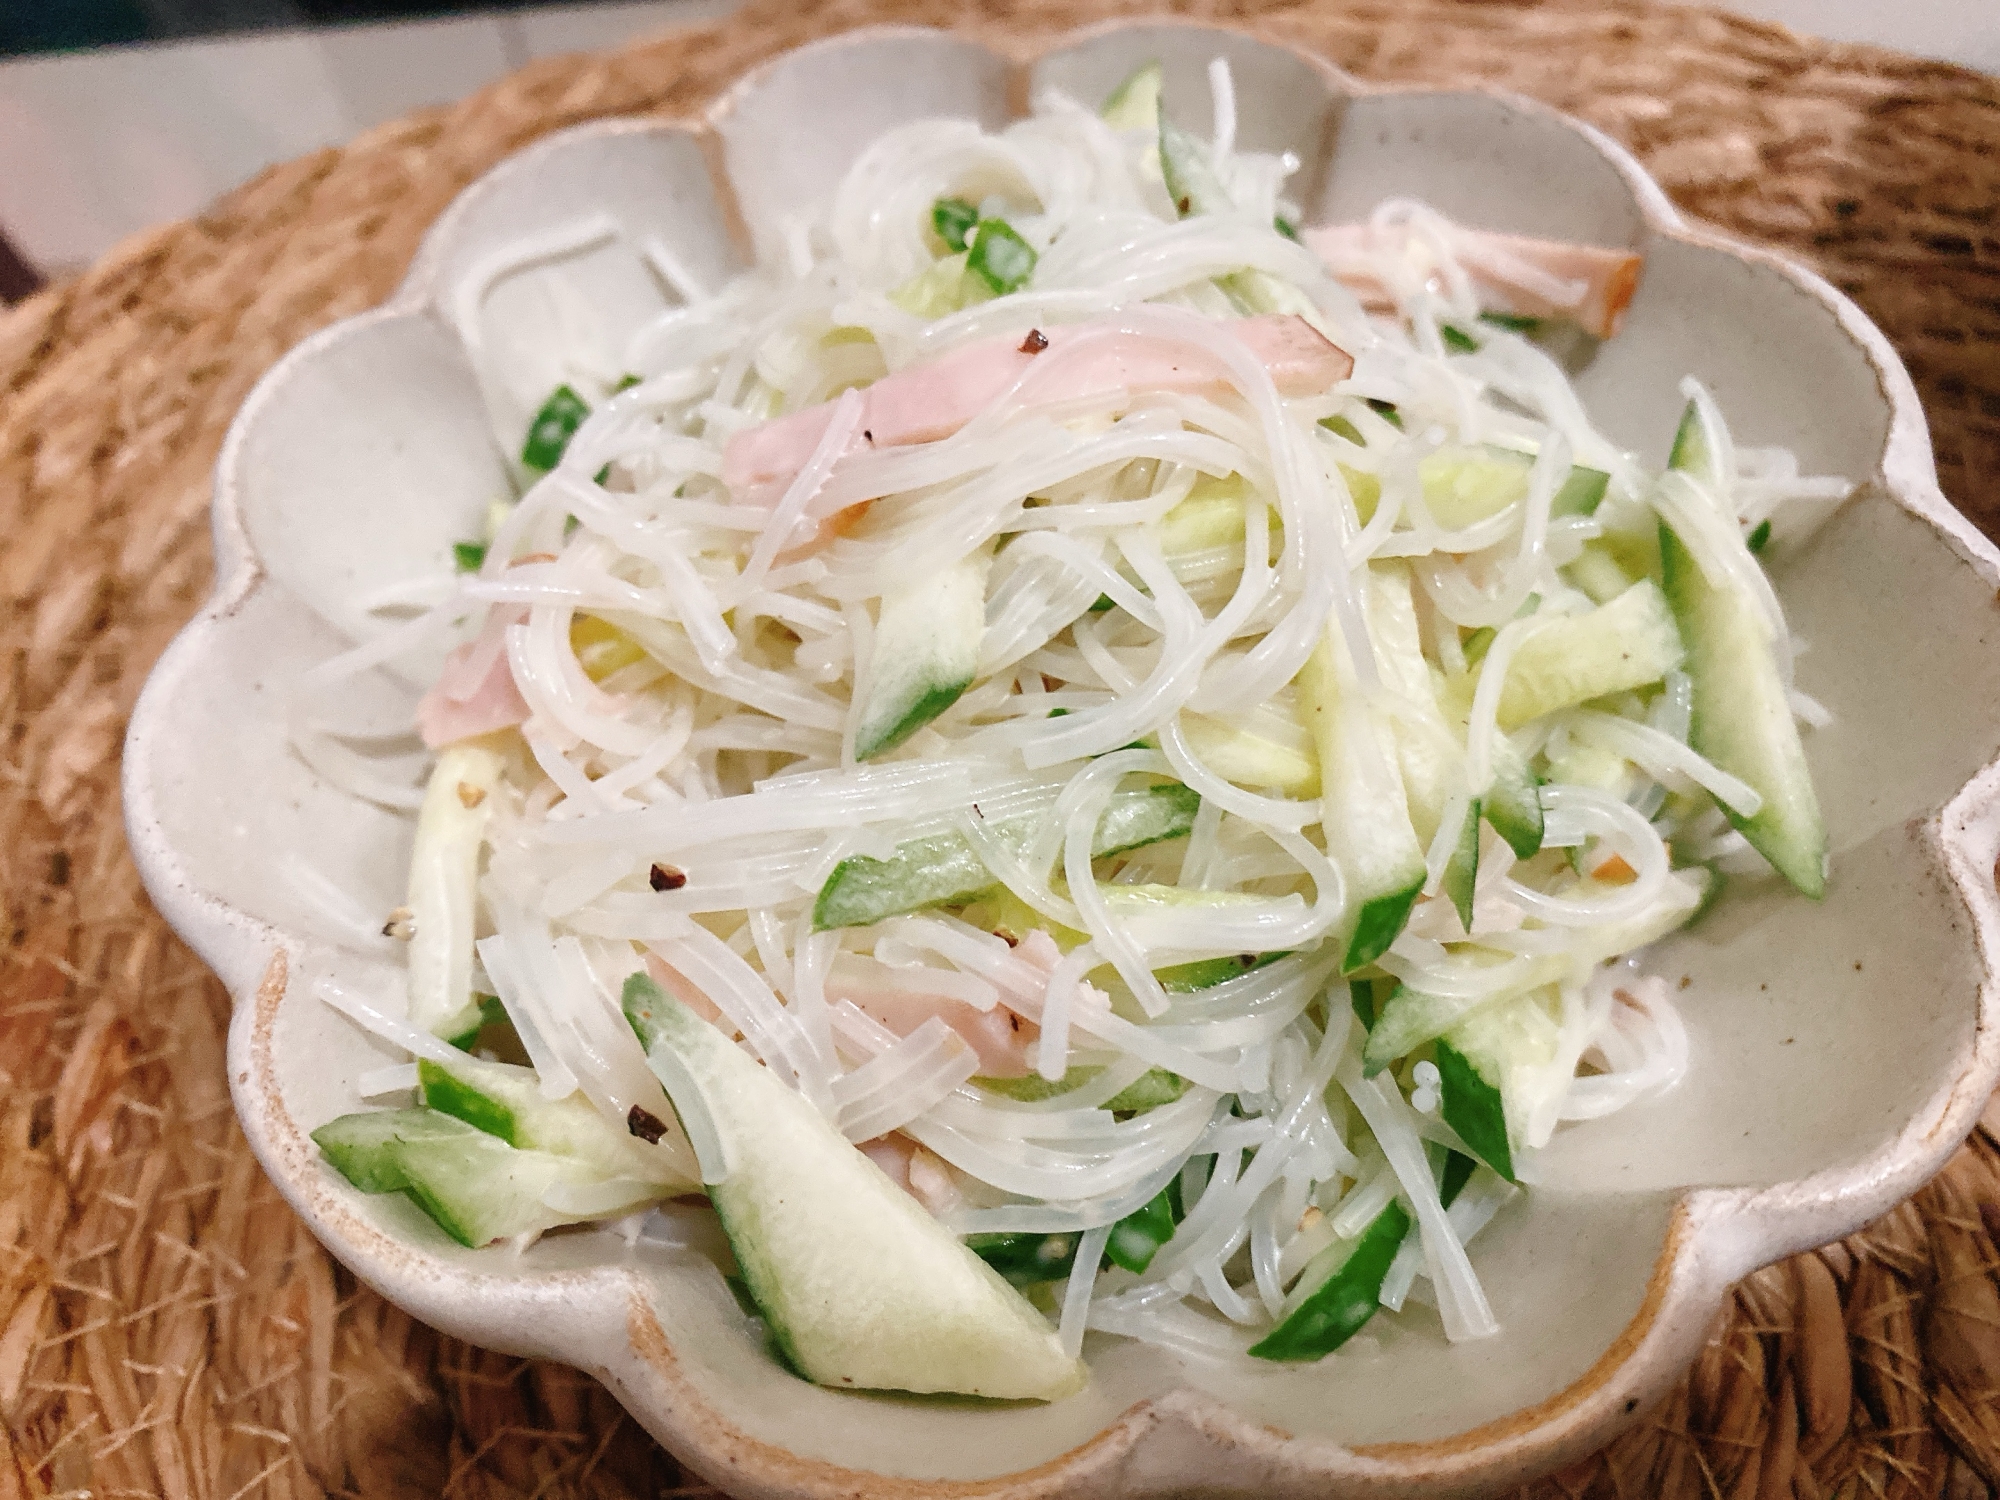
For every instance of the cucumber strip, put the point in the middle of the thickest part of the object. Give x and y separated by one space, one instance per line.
1135 103
474 1186
552 428
933 871
858 1285
1026 1260
1211 516
1428 749
1150 1090
1137 1238
941 288
507 1102
1239 754
1513 803
1409 1018
1485 1063
1742 716
1204 973
1341 1305
1363 811
1461 871
444 870
491 1013
1458 1170
954 219
925 655
943 868
1581 492
1190 178
999 257
1033 1259
1195 189
1471 1105
1626 644
1464 486
1361 996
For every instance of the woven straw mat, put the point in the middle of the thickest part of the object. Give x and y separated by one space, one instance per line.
168 1328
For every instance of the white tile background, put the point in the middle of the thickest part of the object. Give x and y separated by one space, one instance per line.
97 146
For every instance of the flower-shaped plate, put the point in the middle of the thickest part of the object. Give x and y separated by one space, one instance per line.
1840 1050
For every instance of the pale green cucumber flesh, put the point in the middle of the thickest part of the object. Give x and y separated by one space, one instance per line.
1135 103
944 868
1150 1090
474 1186
1743 720
1364 812
859 1286
1629 643
897 714
1513 803
1191 181
1581 493
925 655
933 871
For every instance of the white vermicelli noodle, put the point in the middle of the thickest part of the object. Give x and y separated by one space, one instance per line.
1072 934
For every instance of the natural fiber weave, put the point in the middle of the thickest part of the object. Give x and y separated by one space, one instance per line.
167 1327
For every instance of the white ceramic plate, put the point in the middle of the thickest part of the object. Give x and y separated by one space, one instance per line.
1841 1050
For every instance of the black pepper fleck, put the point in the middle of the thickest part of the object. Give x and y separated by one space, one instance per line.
1035 342
666 878
646 1125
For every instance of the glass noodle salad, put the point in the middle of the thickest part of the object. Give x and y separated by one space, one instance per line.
1077 754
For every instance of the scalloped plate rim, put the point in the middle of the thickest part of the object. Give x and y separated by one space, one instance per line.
1714 1236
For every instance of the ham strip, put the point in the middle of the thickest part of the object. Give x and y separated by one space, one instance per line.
932 401
475 693
1586 284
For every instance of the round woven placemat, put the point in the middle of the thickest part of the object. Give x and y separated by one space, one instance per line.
168 1328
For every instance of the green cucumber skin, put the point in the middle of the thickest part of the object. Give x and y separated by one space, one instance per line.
1132 820
447 1095
361 1147
1788 829
1137 1238
1206 973
919 711
1458 1170
1342 1304
1473 1107
934 871
1380 923
1461 874
1153 1088
944 868
1581 493
551 429
474 1186
1741 718
1513 803
1026 1260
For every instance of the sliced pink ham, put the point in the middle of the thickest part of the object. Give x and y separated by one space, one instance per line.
475 693
489 703
1602 280
929 402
